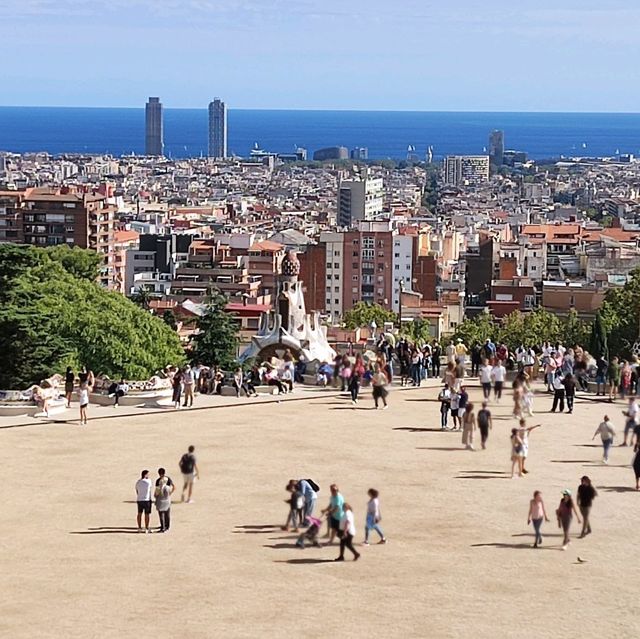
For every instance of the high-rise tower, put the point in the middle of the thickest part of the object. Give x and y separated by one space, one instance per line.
217 129
496 148
154 143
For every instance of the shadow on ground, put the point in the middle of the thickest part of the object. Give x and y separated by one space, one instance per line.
303 561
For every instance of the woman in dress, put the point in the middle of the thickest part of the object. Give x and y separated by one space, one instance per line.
373 517
565 512
536 514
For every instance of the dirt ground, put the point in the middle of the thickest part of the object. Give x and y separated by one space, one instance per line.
459 561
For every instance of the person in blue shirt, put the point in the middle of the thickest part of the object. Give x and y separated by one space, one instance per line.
335 512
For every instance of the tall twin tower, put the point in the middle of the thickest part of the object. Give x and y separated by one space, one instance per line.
154 129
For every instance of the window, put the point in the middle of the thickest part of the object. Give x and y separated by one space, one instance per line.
328 289
354 278
69 205
368 242
396 254
533 268
397 267
328 277
368 254
407 267
380 253
354 265
336 289
336 277
336 253
355 254
336 265
328 300
354 289
337 301
69 228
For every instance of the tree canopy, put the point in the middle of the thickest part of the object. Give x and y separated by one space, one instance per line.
362 314
53 314
620 316
216 342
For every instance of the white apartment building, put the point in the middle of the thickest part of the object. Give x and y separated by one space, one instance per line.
402 266
465 170
334 254
359 199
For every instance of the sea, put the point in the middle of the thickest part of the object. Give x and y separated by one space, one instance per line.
386 134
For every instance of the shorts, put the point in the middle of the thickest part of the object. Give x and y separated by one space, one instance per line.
144 507
188 478
334 523
83 405
454 412
498 386
599 379
68 387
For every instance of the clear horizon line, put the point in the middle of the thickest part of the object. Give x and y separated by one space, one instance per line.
314 109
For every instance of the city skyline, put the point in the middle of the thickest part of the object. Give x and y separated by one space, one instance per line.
500 64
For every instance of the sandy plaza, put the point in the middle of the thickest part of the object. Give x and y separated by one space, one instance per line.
459 561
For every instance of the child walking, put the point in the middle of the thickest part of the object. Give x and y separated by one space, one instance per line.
373 517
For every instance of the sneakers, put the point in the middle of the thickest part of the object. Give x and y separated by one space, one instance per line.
385 407
382 541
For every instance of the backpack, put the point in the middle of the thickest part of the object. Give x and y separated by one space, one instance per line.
186 464
313 485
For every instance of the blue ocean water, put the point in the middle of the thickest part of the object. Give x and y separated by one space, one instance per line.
387 134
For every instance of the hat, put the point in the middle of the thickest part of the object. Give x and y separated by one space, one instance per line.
566 491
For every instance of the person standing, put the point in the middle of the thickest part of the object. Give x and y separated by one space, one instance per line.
164 490
636 450
190 472
523 433
485 424
565 513
176 383
83 394
607 432
516 453
310 494
373 517
188 380
455 409
379 388
335 511
537 513
586 494
499 374
356 378
613 378
348 530
143 500
602 368
69 379
558 393
436 354
445 403
476 359
468 426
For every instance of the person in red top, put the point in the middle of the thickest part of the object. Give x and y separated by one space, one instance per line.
357 374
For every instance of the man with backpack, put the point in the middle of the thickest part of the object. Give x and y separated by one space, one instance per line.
189 470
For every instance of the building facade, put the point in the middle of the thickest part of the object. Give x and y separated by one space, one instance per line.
217 129
359 200
496 148
466 170
154 131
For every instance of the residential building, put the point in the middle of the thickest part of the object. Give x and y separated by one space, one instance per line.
359 199
335 282
218 129
466 170
331 153
154 140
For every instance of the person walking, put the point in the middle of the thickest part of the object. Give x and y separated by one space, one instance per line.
602 368
83 395
176 383
565 513
537 513
558 393
607 433
498 374
468 426
335 511
164 490
348 530
524 432
190 472
356 379
445 403
636 450
69 380
296 506
485 378
379 390
613 378
143 500
188 380
373 517
586 494
485 424
570 384
632 414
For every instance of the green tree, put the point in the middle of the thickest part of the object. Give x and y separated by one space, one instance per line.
531 329
476 329
216 342
574 331
620 315
362 314
169 318
52 314
81 264
599 342
142 297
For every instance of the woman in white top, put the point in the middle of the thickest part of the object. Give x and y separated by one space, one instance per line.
83 393
498 373
348 528
485 378
373 517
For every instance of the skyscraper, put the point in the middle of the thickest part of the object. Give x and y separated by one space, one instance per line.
217 129
496 148
154 143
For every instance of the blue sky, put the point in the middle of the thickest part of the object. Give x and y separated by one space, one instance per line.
491 55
